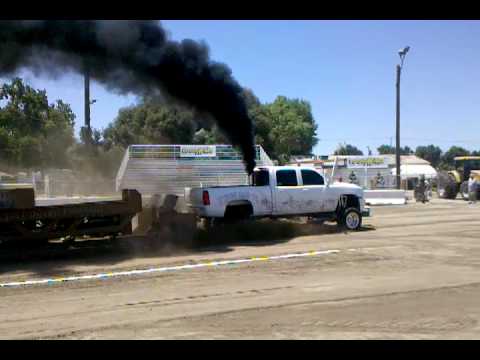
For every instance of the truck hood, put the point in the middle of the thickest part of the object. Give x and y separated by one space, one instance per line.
351 188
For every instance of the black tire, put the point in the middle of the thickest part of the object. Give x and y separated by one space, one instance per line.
205 223
351 219
213 223
239 213
447 187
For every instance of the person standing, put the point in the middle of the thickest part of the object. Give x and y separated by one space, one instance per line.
420 190
472 189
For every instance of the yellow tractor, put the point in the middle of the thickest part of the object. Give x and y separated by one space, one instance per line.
450 183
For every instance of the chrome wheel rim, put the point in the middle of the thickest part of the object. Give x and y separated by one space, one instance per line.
352 220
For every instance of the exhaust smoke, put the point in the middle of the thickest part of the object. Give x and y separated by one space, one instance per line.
132 57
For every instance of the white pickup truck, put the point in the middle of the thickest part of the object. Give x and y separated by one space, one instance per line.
282 191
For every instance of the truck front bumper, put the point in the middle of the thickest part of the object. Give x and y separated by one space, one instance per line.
366 212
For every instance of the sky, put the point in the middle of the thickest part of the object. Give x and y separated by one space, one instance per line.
345 69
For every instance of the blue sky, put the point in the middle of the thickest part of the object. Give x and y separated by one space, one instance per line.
345 69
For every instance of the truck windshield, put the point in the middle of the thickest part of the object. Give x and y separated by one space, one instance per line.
260 178
469 164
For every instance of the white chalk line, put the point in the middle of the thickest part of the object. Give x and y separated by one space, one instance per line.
163 269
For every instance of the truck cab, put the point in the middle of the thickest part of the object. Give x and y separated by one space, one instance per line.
297 190
283 191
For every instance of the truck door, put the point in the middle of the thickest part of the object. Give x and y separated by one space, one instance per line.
262 194
314 196
287 193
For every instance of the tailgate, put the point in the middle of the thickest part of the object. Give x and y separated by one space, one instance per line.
193 197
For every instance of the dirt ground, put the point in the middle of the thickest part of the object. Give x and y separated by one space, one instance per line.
413 272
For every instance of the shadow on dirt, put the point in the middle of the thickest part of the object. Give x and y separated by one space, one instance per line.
58 257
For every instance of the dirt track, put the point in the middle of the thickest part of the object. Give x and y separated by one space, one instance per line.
413 273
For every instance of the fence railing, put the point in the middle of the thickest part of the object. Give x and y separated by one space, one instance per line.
369 182
153 169
121 169
173 152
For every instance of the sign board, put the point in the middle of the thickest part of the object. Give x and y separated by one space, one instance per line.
369 162
198 151
330 163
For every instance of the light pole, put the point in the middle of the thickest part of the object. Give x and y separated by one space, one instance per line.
402 54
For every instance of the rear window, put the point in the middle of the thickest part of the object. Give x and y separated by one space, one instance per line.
286 178
261 178
310 177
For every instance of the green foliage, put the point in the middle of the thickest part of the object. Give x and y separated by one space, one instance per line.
347 149
431 153
287 128
262 120
36 134
387 150
209 137
150 123
284 127
33 133
448 161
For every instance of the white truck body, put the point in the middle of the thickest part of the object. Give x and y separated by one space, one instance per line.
278 191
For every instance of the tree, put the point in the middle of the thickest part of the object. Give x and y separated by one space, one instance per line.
33 133
287 127
151 123
448 161
347 149
431 153
388 150
284 128
262 120
209 137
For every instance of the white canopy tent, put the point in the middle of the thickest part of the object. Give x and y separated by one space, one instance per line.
415 171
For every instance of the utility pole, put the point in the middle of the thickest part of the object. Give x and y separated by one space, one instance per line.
87 129
87 100
402 54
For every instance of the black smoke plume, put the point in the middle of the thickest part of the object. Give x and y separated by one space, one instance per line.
132 57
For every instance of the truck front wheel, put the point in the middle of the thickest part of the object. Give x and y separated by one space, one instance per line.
351 219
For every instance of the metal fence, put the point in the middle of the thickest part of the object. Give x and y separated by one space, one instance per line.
160 169
369 182
374 181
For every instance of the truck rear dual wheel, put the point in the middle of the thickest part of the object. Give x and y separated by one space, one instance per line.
350 219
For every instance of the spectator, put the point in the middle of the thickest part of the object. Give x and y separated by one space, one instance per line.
472 189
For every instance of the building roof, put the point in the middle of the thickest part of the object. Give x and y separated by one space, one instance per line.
413 160
415 170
